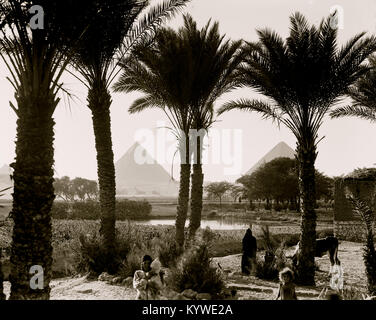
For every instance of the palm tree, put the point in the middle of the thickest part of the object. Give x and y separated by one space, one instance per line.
302 77
216 72
36 60
363 95
118 26
183 73
161 72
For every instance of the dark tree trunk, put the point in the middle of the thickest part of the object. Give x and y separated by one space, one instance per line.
196 201
2 295
99 100
183 200
306 258
182 209
33 196
196 192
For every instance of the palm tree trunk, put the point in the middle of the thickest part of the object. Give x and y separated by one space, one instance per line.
99 100
2 295
306 258
196 193
196 201
33 196
183 200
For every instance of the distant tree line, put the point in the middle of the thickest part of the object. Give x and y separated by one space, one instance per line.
75 189
277 182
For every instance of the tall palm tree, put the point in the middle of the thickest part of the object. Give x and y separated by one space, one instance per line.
302 77
162 72
36 59
118 25
363 95
215 73
183 73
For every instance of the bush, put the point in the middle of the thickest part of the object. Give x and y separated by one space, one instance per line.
85 210
60 210
90 210
277 207
269 267
168 250
195 272
274 259
93 256
130 209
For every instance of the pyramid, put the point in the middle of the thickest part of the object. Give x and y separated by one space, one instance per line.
282 149
137 173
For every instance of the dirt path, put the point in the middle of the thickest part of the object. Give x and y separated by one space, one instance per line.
249 288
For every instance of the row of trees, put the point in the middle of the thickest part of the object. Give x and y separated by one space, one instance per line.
181 72
278 180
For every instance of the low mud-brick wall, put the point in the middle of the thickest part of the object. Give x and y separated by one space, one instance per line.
348 225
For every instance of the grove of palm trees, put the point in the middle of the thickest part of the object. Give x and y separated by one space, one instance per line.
129 69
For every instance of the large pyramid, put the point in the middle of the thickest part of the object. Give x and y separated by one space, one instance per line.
137 173
282 149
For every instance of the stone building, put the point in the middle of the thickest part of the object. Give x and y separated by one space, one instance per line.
362 184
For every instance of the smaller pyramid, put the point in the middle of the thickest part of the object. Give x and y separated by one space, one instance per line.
281 150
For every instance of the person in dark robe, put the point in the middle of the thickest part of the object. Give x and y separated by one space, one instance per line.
248 263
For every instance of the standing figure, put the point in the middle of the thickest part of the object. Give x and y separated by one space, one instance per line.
286 290
249 253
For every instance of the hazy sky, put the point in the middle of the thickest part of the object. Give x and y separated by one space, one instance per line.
348 143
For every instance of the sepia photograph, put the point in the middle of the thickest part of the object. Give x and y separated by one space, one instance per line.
187 155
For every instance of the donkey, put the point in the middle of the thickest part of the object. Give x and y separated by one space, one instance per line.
326 245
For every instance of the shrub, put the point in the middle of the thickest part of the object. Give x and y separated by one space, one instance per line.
131 263
60 210
86 210
277 207
168 250
195 272
274 259
369 251
130 209
93 256
90 210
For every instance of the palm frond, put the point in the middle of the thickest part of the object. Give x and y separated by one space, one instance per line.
143 31
145 102
354 111
264 108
